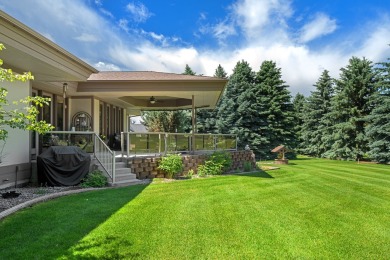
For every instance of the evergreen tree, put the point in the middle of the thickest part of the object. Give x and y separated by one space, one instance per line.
220 72
378 130
206 118
350 107
274 111
228 121
315 124
166 121
299 104
188 71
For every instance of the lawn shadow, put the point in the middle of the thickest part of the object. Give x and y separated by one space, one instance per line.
64 222
258 174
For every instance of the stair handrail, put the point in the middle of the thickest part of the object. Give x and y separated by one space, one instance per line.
105 156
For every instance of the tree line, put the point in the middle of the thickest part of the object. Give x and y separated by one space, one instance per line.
346 118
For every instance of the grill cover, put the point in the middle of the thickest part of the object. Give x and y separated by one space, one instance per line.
63 165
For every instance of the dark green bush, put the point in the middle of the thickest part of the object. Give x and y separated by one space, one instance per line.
95 179
171 164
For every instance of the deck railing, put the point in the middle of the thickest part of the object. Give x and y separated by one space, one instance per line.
163 143
90 142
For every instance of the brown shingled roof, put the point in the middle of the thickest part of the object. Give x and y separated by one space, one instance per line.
146 76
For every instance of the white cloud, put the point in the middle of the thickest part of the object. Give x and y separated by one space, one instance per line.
150 57
202 16
223 30
85 37
252 16
124 25
102 66
321 25
106 12
139 12
264 40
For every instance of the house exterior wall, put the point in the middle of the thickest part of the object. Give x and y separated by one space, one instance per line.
78 105
16 152
17 148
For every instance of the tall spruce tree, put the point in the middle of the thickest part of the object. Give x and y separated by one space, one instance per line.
350 107
228 119
299 104
378 130
315 124
275 112
206 118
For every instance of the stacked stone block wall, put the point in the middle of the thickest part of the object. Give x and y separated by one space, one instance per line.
147 167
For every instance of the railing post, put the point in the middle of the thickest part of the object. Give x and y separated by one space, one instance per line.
122 143
113 167
166 143
128 141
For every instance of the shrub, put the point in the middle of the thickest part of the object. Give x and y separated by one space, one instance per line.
190 174
171 164
210 168
216 164
223 158
247 167
94 179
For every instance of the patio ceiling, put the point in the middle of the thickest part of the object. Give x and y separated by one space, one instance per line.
170 91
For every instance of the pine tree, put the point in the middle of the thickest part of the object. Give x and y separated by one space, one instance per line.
315 124
188 71
228 118
378 130
275 112
350 107
206 118
299 104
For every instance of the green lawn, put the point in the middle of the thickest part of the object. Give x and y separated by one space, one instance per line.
310 209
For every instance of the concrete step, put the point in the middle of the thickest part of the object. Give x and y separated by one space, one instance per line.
122 171
118 159
124 177
127 183
120 165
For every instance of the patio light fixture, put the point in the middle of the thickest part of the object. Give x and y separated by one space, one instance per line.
64 89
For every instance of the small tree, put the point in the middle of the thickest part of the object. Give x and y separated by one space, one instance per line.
25 118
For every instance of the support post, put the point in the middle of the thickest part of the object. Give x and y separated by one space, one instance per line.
193 125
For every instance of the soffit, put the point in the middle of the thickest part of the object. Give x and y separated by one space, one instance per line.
27 50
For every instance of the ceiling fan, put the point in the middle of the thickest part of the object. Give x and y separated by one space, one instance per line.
152 100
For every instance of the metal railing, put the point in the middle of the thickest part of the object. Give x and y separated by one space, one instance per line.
89 142
105 156
163 143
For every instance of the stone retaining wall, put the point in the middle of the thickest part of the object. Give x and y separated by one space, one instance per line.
146 167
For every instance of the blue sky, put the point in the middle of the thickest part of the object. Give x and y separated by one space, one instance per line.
303 37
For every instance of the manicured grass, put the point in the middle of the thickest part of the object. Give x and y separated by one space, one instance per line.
310 209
